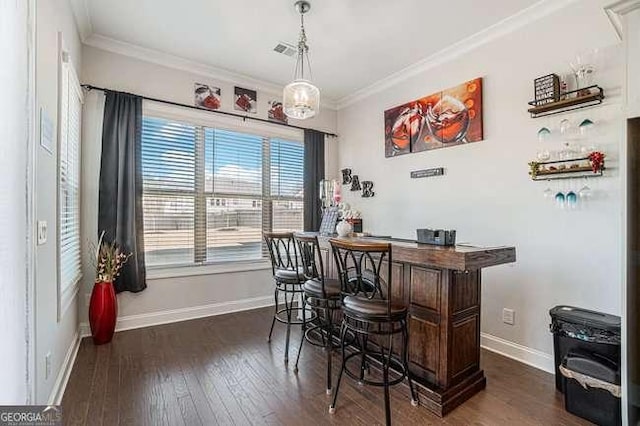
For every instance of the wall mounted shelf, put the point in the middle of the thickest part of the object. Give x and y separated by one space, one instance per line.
563 169
575 99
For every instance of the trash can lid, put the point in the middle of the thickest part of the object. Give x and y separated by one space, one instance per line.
593 365
585 317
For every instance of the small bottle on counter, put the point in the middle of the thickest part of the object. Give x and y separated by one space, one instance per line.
564 87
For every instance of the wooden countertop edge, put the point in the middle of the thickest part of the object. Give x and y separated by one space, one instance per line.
468 258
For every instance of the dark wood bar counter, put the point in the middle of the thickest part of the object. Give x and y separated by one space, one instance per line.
441 287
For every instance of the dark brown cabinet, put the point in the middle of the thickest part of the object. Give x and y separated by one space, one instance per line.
441 287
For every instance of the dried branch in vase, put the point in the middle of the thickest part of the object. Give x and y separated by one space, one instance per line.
108 260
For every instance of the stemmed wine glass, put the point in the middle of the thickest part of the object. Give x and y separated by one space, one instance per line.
560 197
448 120
571 197
585 192
584 68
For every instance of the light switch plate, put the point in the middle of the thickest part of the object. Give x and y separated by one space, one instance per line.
42 232
508 316
47 365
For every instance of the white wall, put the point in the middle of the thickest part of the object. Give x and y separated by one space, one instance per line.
562 257
632 41
191 295
14 134
52 334
633 70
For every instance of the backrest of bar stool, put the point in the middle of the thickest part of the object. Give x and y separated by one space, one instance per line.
360 269
282 251
311 256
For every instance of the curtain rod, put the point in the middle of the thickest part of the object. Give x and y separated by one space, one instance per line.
232 114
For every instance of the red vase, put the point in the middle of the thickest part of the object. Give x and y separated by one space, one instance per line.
103 311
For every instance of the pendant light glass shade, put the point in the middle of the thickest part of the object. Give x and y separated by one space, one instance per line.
301 99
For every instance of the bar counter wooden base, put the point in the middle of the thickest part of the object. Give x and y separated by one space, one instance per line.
441 287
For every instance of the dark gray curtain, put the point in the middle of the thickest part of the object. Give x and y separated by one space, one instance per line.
313 174
120 205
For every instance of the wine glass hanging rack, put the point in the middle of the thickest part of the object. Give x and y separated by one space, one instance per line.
571 100
566 169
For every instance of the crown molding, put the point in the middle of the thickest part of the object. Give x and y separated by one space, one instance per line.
80 9
172 61
177 62
526 16
615 12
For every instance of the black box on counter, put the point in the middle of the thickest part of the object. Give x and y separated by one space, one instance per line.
438 237
357 225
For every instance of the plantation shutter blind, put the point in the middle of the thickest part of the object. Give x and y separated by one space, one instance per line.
168 194
209 193
234 197
287 178
70 119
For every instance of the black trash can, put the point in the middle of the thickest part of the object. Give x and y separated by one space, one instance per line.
592 387
583 330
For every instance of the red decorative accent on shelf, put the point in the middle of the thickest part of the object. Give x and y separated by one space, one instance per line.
597 161
103 311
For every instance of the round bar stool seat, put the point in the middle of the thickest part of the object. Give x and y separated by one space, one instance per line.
372 310
288 276
313 288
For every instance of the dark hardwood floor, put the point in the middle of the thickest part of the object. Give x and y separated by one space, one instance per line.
220 370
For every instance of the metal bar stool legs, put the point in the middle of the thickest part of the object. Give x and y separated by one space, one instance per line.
405 356
343 330
273 322
323 295
329 347
288 314
325 327
384 358
289 277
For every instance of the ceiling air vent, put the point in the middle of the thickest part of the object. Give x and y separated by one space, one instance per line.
285 49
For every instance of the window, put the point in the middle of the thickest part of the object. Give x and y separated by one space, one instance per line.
209 193
69 261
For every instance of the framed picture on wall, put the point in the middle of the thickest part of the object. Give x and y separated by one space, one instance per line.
207 96
276 111
443 119
245 100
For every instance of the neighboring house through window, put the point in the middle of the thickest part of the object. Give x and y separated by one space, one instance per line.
210 192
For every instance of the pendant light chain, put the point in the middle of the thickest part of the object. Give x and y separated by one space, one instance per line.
301 99
303 51
302 44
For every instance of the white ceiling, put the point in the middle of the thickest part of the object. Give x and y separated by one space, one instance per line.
353 43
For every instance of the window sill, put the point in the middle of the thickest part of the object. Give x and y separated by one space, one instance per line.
190 271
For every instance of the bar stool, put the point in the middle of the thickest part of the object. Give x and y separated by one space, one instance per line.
289 277
323 295
370 313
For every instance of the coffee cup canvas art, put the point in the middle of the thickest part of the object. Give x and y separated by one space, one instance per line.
448 118
207 96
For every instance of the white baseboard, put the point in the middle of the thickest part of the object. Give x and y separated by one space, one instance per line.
130 322
55 398
523 354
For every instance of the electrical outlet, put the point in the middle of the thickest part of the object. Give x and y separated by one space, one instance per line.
47 365
42 232
508 316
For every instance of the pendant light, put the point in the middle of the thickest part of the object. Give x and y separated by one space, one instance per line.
301 99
